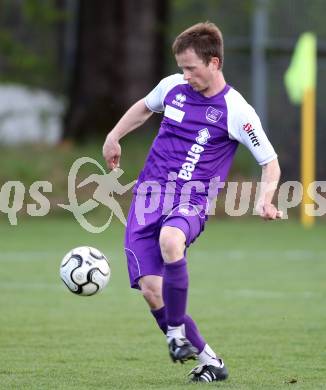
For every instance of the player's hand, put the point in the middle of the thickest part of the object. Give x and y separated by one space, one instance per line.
112 152
269 212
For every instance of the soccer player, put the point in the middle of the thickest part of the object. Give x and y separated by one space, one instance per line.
204 120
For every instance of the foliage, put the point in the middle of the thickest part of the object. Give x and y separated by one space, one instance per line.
29 42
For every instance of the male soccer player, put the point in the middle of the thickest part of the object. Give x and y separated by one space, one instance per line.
204 119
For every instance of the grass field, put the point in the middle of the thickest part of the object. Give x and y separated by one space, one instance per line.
258 293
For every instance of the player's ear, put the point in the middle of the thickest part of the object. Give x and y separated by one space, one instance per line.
215 62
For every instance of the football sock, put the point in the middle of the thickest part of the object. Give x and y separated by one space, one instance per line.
175 332
193 335
208 356
175 290
191 330
160 317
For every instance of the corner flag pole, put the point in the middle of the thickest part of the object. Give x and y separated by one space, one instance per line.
307 151
300 83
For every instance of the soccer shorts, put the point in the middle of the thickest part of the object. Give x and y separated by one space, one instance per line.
142 237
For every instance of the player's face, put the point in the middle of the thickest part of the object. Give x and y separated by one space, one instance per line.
199 75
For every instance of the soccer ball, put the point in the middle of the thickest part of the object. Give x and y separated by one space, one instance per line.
85 270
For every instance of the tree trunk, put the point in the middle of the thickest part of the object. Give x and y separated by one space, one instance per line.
119 58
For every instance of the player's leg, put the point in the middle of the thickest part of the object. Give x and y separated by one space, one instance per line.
172 248
211 366
175 292
145 266
175 278
151 287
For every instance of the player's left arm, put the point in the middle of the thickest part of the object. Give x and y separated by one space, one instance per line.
270 177
246 128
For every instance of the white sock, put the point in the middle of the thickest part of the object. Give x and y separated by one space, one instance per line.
208 356
175 332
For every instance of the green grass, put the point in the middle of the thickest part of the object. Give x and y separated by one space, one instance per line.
257 292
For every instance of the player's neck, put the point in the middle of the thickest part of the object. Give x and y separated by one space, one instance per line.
216 86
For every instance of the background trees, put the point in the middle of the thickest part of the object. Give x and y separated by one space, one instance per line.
101 56
119 57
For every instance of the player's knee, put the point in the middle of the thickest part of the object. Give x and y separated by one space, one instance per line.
153 298
172 243
152 293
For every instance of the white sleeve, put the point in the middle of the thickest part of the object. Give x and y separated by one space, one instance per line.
244 126
155 99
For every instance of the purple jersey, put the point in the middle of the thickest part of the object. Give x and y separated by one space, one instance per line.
198 137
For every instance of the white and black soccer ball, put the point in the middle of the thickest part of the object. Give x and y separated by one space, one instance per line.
85 270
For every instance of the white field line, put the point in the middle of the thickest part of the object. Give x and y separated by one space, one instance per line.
264 294
242 293
32 286
289 254
41 255
28 255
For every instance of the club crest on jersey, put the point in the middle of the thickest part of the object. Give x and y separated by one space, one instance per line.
248 128
213 114
179 100
203 136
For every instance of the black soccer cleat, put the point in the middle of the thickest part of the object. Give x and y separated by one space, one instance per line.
182 350
209 373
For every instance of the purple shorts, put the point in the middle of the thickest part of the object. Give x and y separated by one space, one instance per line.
142 236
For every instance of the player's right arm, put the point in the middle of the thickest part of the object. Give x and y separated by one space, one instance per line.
131 120
136 116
